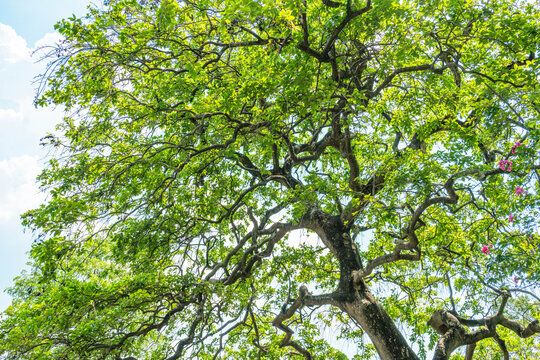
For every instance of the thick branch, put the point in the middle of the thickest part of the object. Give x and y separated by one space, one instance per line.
454 334
524 332
470 352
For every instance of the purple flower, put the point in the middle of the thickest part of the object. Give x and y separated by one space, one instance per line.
511 218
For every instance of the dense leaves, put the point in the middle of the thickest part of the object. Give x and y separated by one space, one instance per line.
285 178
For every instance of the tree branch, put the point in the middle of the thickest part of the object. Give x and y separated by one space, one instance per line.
404 70
350 16
303 299
454 334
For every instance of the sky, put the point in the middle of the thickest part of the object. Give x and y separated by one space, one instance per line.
25 25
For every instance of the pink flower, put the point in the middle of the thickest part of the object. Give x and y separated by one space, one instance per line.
515 279
516 145
503 163
486 249
511 218
519 190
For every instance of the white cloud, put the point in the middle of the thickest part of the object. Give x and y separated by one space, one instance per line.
24 167
13 48
7 115
41 51
49 39
20 190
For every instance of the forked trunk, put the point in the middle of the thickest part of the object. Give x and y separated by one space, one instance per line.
356 300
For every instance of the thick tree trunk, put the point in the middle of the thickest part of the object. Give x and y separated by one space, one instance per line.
381 329
354 298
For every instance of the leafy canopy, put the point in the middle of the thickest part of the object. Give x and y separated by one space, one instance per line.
207 146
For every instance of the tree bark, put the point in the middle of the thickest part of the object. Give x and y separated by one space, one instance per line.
380 328
353 296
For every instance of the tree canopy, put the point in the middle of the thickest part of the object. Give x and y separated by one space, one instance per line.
256 179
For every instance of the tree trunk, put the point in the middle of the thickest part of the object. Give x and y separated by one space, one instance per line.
355 299
381 329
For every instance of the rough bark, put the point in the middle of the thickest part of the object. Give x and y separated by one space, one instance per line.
381 329
352 295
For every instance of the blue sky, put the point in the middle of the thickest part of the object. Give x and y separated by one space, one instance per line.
24 26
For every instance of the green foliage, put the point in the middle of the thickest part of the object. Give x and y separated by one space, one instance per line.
199 135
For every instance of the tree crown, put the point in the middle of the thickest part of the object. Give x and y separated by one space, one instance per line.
205 140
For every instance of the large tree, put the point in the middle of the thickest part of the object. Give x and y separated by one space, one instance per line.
280 178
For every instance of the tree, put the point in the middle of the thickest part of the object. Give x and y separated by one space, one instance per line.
250 179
